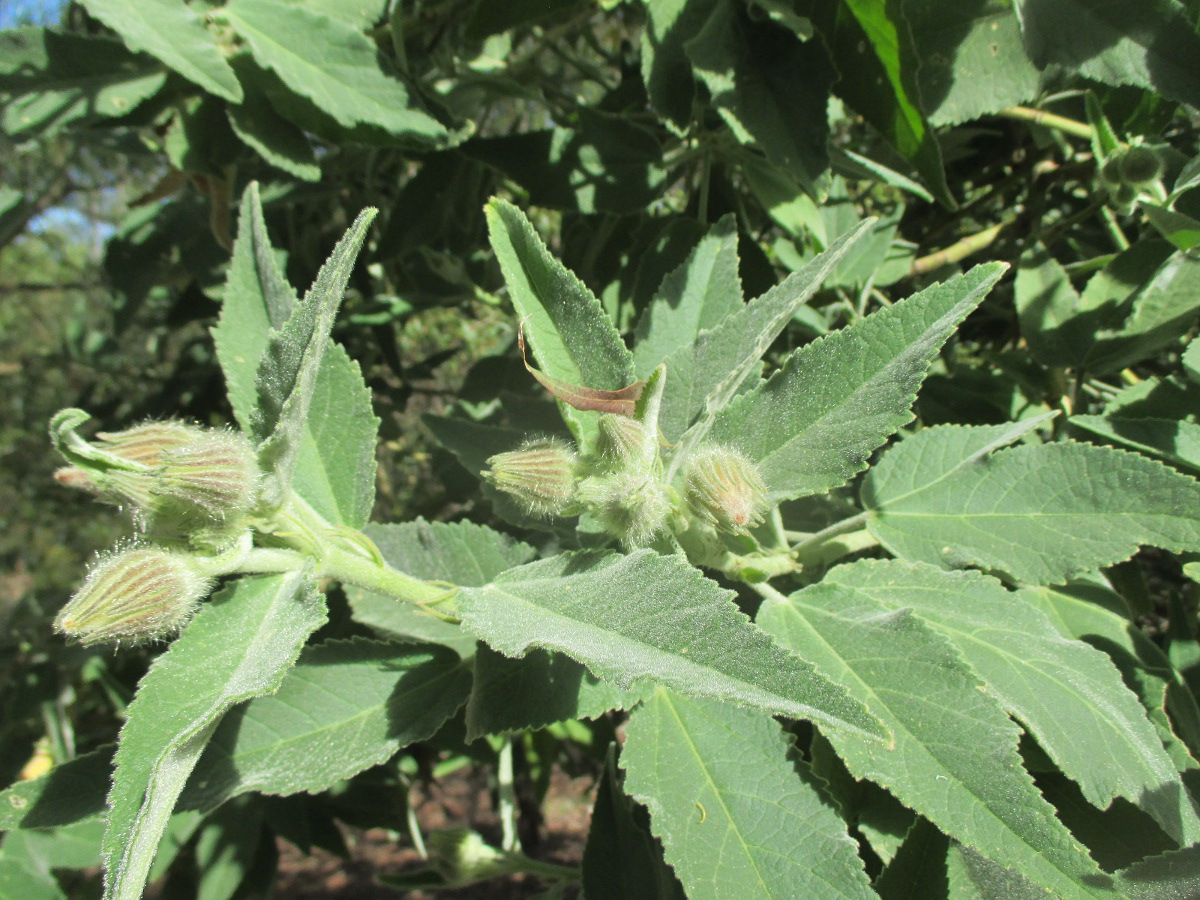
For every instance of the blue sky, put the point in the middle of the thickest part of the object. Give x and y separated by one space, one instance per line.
25 12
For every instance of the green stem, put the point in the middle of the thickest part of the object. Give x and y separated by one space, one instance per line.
816 539
972 243
1048 120
506 797
350 568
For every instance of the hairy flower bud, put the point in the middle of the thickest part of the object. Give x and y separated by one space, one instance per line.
217 474
175 476
621 442
540 474
632 506
139 594
1140 166
725 490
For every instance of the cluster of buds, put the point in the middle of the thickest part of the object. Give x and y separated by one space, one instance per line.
176 477
620 483
186 486
1129 171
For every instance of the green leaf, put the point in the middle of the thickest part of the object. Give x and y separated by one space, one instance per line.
70 792
361 14
343 78
174 34
345 706
603 163
973 61
693 298
1155 49
1069 696
1091 611
735 818
225 849
238 646
314 417
1039 513
461 553
878 62
271 136
771 89
256 299
1164 304
566 326
816 421
1172 440
539 689
1059 332
1182 231
650 616
54 79
666 69
955 758
19 879
1166 877
972 876
702 377
621 860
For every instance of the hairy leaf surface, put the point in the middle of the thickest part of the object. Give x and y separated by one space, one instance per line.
346 706
1067 694
815 422
955 758
650 616
1039 513
240 645
572 337
735 817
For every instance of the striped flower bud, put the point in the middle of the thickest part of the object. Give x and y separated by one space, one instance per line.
725 490
137 594
621 442
216 474
540 475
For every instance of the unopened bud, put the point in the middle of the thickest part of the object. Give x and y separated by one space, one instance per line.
1140 166
216 473
620 442
632 506
540 474
462 857
725 490
137 594
147 442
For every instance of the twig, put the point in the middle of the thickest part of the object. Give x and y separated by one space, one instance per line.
1048 120
959 250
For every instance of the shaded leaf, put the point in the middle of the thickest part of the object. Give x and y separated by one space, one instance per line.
344 707
344 81
175 35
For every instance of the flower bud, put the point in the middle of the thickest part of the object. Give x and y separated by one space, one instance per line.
140 594
632 506
1140 166
725 490
621 442
217 473
540 474
462 857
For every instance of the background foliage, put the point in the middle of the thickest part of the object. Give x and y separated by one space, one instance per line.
743 138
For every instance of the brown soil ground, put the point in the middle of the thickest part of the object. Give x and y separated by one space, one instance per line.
457 801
